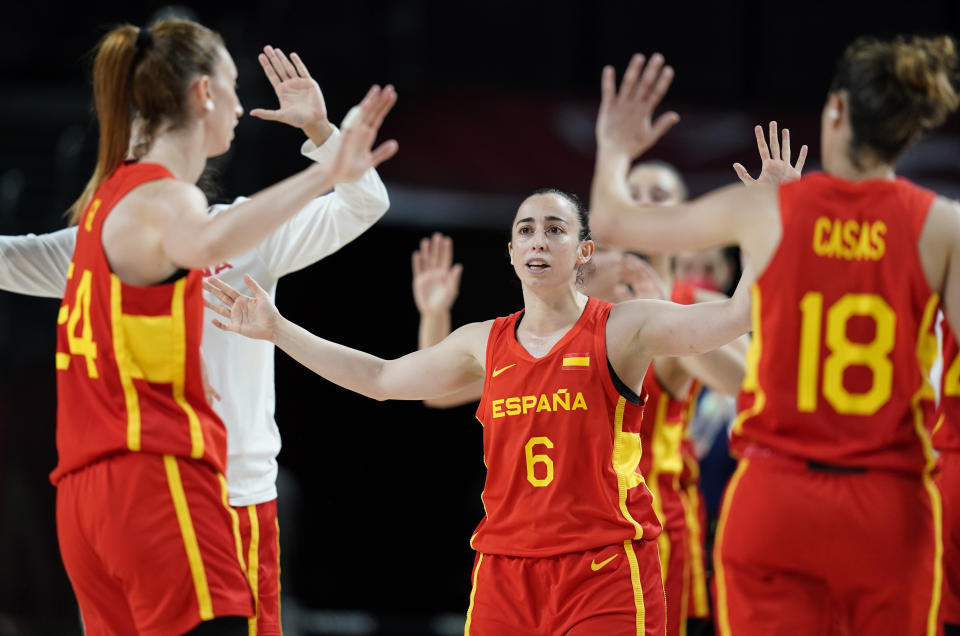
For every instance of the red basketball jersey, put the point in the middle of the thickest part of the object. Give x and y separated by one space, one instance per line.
128 358
843 330
561 445
947 434
665 421
665 418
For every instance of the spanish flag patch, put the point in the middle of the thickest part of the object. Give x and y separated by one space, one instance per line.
576 361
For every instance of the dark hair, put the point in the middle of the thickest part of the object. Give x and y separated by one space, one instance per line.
148 77
682 192
896 90
576 204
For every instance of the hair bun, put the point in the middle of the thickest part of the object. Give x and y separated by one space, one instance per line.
928 66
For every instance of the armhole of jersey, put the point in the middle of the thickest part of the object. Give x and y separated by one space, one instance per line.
600 336
622 388
172 278
496 329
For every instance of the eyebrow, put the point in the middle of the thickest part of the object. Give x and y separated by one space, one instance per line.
530 219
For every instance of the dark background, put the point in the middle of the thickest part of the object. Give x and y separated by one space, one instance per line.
496 99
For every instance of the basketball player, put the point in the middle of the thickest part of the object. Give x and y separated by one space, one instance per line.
670 384
833 432
946 440
37 265
146 533
561 415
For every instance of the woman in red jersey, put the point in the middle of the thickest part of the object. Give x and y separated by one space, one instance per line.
567 544
831 520
147 537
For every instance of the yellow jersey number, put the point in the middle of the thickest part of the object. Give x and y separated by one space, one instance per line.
82 345
874 355
533 460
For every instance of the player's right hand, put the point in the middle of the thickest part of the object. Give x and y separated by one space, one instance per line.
436 280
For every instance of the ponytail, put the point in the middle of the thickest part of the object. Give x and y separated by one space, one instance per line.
112 96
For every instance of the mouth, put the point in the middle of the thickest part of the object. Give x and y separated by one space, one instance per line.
536 266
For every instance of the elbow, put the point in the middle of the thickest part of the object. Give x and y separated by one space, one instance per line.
603 228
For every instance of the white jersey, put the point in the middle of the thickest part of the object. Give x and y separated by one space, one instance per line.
240 369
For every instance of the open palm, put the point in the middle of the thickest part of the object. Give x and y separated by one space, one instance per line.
301 101
252 316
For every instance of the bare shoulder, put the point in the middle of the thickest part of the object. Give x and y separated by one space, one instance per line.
472 338
939 240
169 196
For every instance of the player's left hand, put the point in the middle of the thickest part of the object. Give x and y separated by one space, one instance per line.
301 102
775 165
625 122
252 316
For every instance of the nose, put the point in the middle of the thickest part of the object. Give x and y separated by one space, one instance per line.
539 239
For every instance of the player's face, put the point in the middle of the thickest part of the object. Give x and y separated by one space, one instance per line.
650 184
707 269
227 110
545 248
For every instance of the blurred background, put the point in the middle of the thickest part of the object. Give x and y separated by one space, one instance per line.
378 500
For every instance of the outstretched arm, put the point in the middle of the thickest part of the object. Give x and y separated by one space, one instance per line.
626 129
721 369
328 222
192 239
36 265
438 370
436 283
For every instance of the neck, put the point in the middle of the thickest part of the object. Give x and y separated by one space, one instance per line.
545 313
181 152
843 168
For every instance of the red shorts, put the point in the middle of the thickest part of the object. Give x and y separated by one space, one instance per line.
817 551
673 549
610 591
949 483
150 545
260 535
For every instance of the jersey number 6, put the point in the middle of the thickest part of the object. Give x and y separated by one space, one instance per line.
533 460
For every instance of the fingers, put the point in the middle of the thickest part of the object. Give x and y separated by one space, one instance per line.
253 286
761 143
774 141
661 86
300 66
649 78
217 307
219 325
801 158
380 107
417 258
608 86
455 273
276 63
663 123
287 66
268 70
629 81
225 293
743 174
268 115
785 150
444 251
383 152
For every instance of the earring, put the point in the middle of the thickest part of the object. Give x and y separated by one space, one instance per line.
833 113
208 105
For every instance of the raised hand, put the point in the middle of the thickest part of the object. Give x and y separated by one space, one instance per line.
252 316
775 165
354 156
436 280
625 122
301 102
